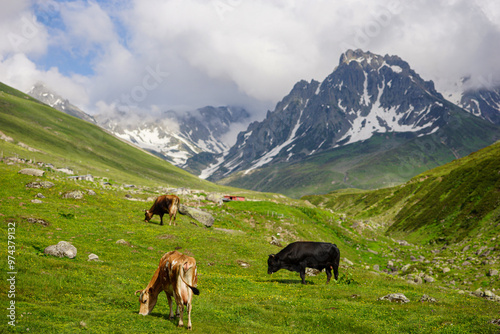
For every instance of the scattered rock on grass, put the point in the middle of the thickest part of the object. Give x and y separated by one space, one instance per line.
243 264
38 221
122 242
429 299
31 171
493 272
346 261
93 257
201 216
275 241
395 297
312 272
62 249
40 184
75 194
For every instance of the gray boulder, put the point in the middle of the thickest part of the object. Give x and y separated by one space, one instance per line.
429 299
215 197
40 184
395 297
347 261
478 293
93 257
75 194
62 249
200 216
406 267
493 272
429 279
31 171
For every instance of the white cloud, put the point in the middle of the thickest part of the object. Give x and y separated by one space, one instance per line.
240 52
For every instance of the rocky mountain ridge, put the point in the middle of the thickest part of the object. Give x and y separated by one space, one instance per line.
44 94
176 136
366 94
373 122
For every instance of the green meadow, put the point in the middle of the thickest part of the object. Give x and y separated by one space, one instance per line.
61 295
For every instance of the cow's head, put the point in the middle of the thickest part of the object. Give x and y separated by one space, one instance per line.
147 300
147 216
273 264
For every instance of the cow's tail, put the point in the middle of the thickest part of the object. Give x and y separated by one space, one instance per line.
194 289
175 206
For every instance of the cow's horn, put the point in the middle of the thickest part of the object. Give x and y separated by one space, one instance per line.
137 292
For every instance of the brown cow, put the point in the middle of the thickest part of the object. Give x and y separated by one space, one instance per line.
163 204
177 276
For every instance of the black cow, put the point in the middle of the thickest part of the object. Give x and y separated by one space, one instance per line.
299 255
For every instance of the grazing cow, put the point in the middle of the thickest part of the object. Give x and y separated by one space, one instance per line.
163 204
177 276
299 255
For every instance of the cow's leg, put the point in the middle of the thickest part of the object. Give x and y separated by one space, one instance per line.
190 326
303 275
336 270
161 218
171 315
328 274
170 223
181 316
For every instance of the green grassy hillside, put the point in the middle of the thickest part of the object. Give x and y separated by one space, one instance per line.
66 141
447 204
61 295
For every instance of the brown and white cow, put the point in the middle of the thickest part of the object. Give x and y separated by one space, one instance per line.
163 204
177 276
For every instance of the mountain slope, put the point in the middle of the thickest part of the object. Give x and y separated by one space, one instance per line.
349 130
447 204
54 137
42 93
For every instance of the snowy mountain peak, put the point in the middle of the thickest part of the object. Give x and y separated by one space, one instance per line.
176 136
366 94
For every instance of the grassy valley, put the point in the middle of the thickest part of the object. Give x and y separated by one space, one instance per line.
382 251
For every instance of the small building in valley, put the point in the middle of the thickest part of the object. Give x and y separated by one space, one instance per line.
228 198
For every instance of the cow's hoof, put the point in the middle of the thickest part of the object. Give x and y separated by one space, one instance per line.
190 328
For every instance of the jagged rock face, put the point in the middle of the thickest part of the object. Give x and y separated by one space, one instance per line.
364 95
483 102
176 136
40 92
207 126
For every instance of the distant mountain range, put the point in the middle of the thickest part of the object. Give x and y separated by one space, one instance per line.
173 136
176 136
372 122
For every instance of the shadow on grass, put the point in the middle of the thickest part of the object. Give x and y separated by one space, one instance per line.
165 316
285 281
